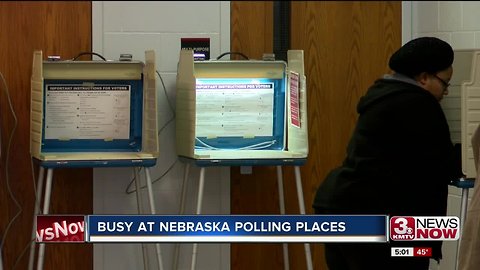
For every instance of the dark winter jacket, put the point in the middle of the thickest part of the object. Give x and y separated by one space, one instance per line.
400 158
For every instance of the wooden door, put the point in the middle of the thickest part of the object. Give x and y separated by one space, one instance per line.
347 46
56 28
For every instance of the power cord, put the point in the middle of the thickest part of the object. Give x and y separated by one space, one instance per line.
23 253
89 53
232 53
37 200
127 191
166 94
7 174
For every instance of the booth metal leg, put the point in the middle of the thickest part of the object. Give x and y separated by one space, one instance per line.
153 211
281 198
181 212
463 217
46 207
464 206
140 211
201 185
36 211
301 203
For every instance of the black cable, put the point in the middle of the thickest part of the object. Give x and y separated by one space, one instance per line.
127 191
89 53
169 105
236 53
165 125
166 95
24 251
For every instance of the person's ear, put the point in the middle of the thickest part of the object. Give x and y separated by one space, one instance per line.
423 79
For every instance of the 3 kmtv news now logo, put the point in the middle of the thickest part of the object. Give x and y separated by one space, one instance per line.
64 228
424 228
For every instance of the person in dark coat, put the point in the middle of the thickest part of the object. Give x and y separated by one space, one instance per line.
400 158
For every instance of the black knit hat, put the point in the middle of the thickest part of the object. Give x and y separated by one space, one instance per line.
424 54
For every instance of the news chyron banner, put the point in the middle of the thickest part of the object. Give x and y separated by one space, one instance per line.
245 228
212 228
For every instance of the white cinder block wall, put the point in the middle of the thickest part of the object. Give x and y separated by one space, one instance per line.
133 27
457 22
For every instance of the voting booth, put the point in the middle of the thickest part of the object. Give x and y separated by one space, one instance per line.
462 110
92 114
242 113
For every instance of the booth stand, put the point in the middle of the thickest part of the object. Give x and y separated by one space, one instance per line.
242 113
469 65
465 185
92 114
462 108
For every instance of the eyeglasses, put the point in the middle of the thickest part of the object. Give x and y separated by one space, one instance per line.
445 84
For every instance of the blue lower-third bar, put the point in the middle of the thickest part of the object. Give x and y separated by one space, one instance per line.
236 228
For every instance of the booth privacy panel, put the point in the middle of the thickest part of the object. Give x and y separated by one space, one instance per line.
185 105
470 114
459 106
451 104
36 105
150 118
